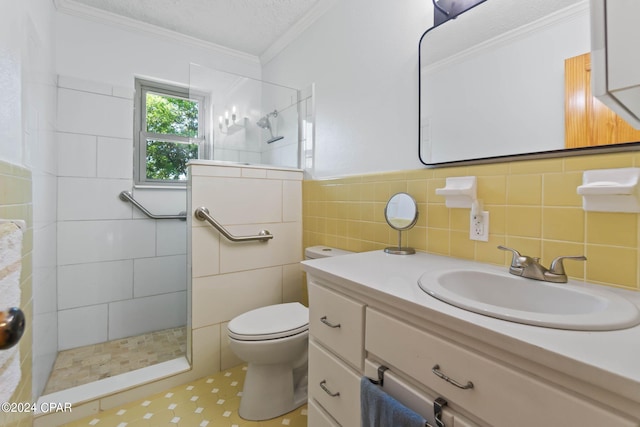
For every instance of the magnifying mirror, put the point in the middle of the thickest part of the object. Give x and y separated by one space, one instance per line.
401 214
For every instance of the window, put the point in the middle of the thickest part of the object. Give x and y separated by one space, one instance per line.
169 132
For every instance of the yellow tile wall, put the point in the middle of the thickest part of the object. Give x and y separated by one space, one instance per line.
533 207
15 203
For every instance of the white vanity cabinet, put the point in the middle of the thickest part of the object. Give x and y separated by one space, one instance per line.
336 360
378 326
336 356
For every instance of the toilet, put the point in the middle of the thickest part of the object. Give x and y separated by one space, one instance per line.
273 340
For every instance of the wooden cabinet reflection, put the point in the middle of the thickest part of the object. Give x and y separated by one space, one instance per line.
588 122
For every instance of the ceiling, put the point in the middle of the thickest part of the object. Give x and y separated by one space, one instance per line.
249 26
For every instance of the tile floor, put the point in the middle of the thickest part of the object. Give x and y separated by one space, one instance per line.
212 401
86 364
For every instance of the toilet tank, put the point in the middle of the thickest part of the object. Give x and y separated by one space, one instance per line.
314 252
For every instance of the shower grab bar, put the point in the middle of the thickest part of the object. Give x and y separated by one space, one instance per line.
126 196
203 215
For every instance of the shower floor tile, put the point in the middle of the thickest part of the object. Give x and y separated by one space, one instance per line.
212 401
83 365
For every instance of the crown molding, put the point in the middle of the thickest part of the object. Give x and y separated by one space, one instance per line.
73 8
563 15
296 29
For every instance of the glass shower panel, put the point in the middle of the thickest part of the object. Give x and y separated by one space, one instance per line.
248 120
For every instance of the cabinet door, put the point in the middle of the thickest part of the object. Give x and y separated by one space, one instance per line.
500 396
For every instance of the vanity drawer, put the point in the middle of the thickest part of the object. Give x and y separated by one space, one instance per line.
327 378
500 396
337 322
317 417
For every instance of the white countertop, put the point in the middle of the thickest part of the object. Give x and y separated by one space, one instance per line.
607 359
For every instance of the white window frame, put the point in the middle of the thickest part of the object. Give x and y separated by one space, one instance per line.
140 134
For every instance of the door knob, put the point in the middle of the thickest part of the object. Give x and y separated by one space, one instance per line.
12 324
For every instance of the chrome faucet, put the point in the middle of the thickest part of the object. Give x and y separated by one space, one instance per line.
525 266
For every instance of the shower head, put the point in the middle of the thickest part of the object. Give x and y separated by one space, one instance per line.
264 123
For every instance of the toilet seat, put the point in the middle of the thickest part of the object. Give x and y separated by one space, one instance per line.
271 322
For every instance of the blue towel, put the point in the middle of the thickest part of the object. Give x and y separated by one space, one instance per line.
378 409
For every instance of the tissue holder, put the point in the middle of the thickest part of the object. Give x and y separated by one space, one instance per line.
459 191
611 190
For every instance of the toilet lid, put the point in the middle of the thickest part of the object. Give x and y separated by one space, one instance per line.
271 322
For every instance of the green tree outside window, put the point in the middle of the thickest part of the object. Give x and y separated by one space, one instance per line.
165 115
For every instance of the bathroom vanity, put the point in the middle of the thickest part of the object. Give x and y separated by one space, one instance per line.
367 310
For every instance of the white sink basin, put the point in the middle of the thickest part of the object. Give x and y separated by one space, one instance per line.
532 302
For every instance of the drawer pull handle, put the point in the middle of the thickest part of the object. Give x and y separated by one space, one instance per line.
436 370
326 390
324 320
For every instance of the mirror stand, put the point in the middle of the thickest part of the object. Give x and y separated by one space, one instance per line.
401 214
400 250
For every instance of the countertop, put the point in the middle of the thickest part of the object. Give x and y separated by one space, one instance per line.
607 359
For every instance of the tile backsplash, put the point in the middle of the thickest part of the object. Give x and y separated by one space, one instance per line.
533 206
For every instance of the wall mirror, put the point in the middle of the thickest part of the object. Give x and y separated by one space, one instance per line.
401 213
492 82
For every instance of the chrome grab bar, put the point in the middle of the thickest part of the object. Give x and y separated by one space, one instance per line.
126 196
203 215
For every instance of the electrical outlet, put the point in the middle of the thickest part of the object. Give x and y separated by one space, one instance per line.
479 226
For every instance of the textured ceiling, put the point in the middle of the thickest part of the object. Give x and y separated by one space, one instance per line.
249 26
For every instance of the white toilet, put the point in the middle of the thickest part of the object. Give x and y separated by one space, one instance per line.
273 340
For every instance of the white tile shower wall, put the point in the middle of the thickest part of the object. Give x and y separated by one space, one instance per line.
93 241
94 114
159 275
231 278
91 199
82 326
125 271
94 283
141 315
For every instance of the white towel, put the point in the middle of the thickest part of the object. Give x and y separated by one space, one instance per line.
10 267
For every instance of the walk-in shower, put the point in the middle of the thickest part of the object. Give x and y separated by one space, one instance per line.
254 121
123 289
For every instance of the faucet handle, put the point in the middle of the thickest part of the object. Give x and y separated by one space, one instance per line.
557 267
515 261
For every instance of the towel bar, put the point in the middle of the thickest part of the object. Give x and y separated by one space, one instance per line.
438 404
381 370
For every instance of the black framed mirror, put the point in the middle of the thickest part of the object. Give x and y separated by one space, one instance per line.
492 83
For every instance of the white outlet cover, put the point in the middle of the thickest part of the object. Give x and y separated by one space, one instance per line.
479 229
